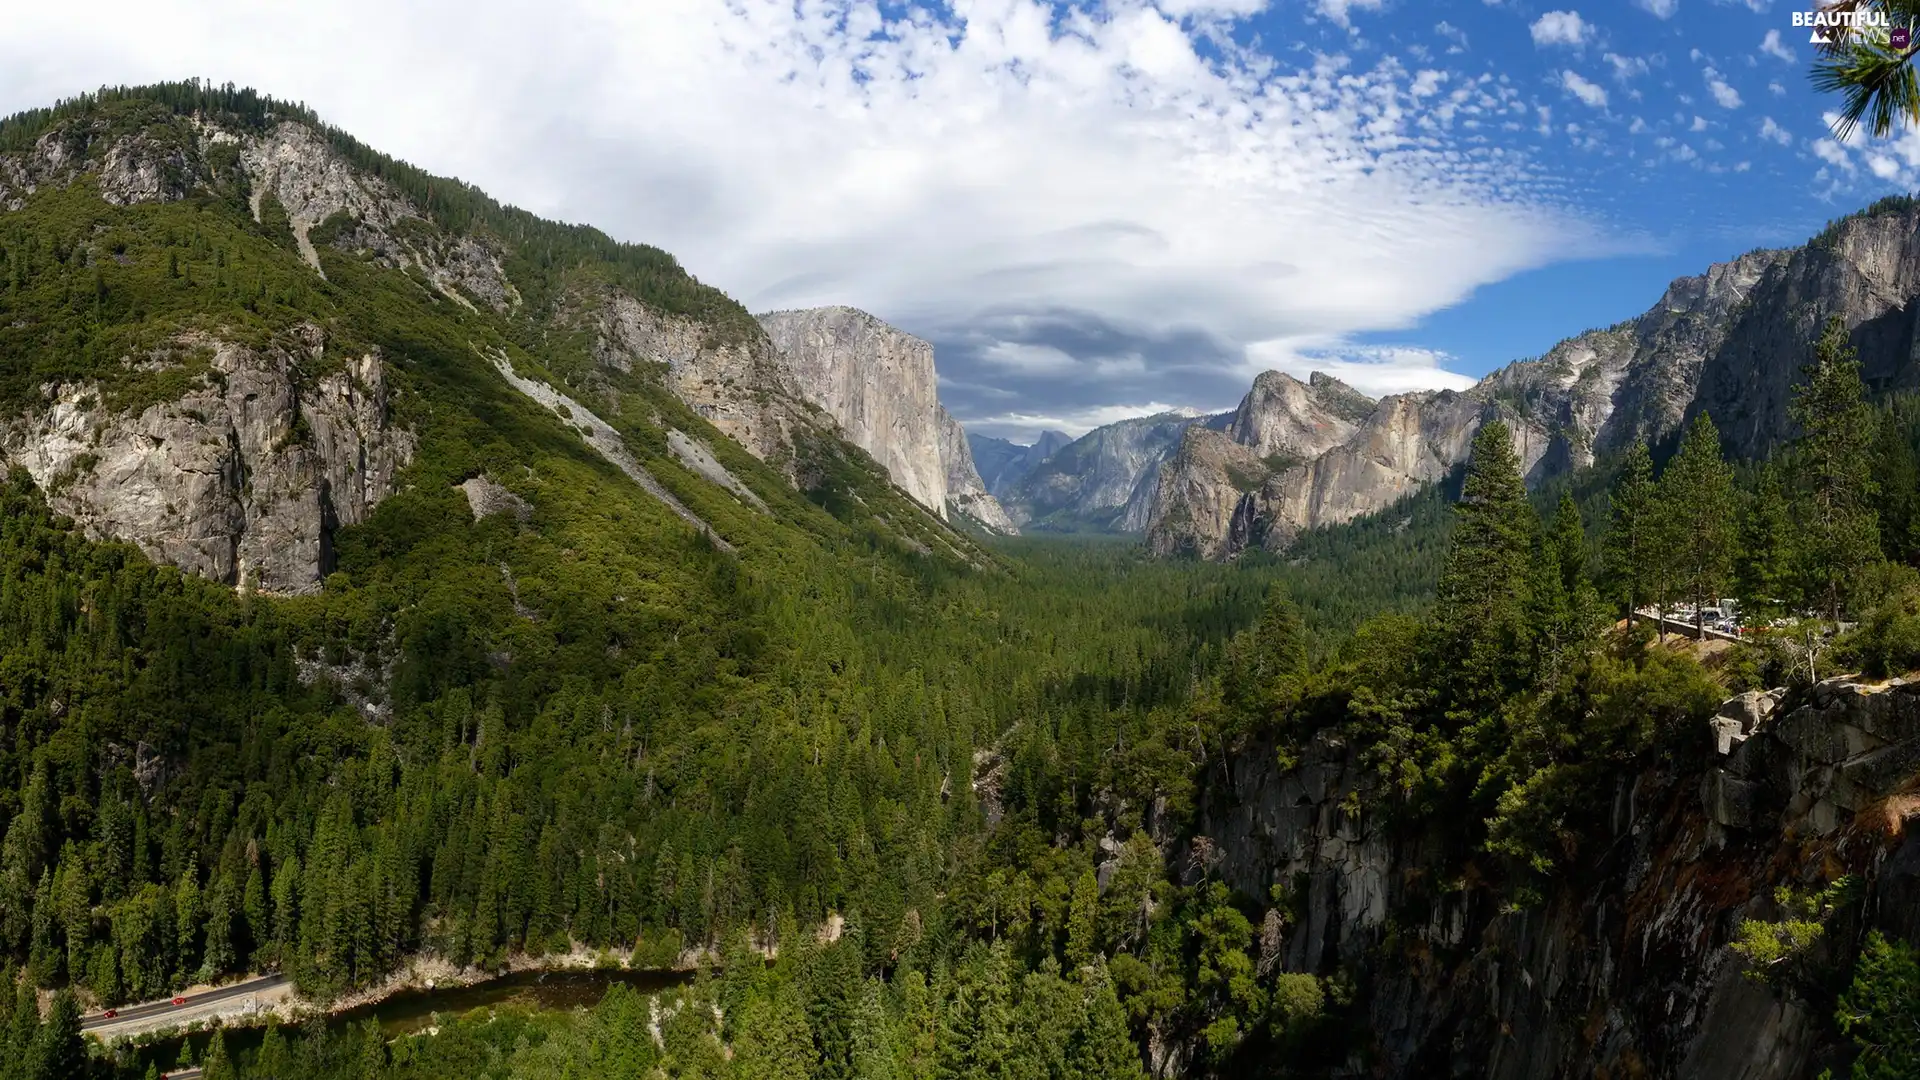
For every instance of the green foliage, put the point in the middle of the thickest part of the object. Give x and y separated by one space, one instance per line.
1880 1011
1633 535
1780 951
1697 509
1838 524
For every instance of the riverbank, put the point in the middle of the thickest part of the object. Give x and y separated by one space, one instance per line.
408 998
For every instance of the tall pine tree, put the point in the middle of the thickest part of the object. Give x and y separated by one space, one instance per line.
1631 539
1481 602
1838 523
1697 509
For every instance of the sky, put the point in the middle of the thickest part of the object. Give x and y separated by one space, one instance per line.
1093 210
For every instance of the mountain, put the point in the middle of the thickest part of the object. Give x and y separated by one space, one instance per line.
967 495
1003 463
1590 395
1102 481
878 384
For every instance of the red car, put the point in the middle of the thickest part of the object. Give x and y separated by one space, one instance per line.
110 1014
179 1001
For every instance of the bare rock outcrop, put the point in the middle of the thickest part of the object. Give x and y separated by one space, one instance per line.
244 479
876 382
966 493
1105 479
1324 460
740 388
1624 965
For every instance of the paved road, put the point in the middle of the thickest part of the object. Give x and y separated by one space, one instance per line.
150 1010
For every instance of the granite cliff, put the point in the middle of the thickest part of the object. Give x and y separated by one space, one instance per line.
878 384
251 436
1591 394
1626 967
1003 463
1102 481
243 478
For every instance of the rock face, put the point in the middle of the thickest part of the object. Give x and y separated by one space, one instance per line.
1004 464
1589 395
878 383
243 479
1103 480
966 494
741 388
1626 969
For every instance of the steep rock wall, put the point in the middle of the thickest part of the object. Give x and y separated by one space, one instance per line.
1590 394
966 493
1625 968
876 382
243 479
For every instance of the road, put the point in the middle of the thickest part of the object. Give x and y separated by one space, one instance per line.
133 1013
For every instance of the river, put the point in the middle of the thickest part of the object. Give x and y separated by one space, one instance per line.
412 1010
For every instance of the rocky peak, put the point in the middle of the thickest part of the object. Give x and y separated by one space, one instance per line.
1105 478
1592 393
1282 415
879 385
967 495
877 382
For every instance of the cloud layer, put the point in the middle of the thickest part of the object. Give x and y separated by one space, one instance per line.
1086 211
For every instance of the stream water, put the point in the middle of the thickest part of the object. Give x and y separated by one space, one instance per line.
414 1010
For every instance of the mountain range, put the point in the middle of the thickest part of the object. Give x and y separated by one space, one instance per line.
393 581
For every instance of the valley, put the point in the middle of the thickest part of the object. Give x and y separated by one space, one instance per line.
390 578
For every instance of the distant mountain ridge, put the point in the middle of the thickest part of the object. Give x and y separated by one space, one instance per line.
1102 481
1003 463
1729 342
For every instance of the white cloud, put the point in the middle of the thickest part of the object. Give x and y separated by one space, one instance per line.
1626 67
1024 426
1374 370
1699 124
1561 28
1454 34
981 181
1773 131
1772 46
1776 89
1592 93
1723 92
1659 9
1339 10
1832 153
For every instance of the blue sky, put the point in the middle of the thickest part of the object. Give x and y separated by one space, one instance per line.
1679 175
1093 210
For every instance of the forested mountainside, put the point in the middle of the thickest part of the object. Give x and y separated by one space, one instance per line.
386 573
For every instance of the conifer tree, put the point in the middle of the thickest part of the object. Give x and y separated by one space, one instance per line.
876 1045
59 1053
1630 543
1763 565
1083 915
1697 507
773 1042
1481 599
1838 523
1101 1048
